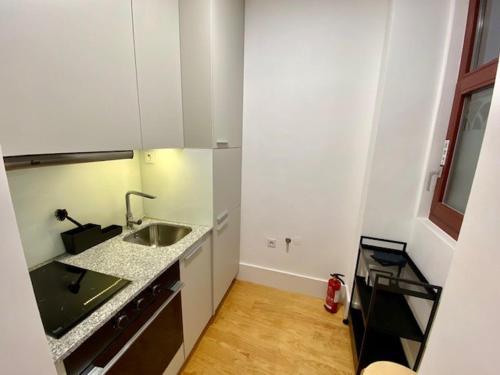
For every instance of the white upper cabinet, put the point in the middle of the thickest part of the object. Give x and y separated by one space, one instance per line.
212 33
157 48
196 72
68 78
228 24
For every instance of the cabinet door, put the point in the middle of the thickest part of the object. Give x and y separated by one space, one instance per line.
156 31
226 257
228 19
195 36
20 323
68 77
196 274
212 37
226 179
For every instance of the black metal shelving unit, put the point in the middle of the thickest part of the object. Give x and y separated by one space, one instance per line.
380 315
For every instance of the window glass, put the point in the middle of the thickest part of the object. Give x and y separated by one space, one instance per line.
470 136
487 40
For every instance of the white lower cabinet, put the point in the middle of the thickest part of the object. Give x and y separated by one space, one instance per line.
226 258
196 274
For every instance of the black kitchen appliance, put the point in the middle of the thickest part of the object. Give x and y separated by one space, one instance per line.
84 236
142 338
66 294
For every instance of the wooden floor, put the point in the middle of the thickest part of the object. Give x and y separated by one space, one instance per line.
260 330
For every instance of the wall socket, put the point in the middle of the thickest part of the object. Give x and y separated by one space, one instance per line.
148 157
271 242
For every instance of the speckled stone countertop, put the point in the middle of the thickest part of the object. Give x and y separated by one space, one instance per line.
137 263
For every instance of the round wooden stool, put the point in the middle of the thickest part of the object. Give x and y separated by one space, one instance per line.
387 368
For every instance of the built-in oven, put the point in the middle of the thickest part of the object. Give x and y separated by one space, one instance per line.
140 339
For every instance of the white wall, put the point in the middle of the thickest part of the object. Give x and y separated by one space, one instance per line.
91 192
23 348
182 182
415 108
413 64
432 248
422 59
311 74
452 349
464 339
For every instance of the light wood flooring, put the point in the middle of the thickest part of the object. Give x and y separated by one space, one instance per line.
261 330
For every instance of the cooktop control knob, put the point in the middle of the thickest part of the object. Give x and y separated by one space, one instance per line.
121 321
156 289
140 303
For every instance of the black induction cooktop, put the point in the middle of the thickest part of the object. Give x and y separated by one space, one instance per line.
66 294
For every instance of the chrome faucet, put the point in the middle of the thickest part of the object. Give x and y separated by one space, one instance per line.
130 217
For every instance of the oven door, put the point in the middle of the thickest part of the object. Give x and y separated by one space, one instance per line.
152 348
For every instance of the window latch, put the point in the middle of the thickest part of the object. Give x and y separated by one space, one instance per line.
431 177
437 173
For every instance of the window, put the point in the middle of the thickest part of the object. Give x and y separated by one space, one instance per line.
469 115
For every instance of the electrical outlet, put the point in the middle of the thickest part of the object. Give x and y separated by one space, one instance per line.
148 157
271 242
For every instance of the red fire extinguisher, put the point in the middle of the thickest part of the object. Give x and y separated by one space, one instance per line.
333 292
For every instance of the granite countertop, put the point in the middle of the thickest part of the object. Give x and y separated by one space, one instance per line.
137 263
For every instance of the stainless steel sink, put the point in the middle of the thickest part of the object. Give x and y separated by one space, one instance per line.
155 235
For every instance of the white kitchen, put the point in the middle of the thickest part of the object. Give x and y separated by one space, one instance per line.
249 186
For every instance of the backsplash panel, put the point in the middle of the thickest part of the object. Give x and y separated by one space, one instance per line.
182 182
91 192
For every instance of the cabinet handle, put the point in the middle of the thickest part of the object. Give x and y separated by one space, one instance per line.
222 220
222 142
222 217
193 253
222 225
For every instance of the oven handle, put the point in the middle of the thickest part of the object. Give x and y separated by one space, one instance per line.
175 289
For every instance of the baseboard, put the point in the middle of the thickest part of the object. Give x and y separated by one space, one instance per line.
283 280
